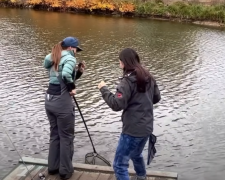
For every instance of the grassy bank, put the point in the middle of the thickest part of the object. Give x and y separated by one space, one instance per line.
180 11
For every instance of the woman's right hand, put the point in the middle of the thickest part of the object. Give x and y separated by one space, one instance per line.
73 92
101 84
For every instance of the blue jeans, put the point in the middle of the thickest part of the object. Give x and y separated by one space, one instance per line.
129 148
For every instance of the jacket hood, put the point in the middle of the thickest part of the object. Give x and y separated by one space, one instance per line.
132 77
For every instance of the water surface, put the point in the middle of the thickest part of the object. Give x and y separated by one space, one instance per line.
187 61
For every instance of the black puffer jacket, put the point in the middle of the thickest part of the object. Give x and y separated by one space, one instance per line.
137 107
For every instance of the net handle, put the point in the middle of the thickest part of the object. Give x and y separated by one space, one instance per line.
84 123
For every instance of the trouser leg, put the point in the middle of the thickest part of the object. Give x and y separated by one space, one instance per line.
137 158
66 124
54 150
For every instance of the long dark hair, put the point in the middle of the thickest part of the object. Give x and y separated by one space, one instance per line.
131 62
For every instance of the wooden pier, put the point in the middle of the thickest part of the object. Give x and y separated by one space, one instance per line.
81 172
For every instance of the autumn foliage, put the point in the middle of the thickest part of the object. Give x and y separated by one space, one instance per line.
182 11
90 5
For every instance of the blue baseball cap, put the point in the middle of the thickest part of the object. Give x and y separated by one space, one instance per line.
71 42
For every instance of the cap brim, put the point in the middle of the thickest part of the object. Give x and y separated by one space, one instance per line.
79 49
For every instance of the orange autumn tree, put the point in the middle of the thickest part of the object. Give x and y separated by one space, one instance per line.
126 7
102 4
51 3
91 4
55 3
15 1
79 4
112 5
34 1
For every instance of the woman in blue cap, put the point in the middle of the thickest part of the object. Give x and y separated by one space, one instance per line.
135 95
61 63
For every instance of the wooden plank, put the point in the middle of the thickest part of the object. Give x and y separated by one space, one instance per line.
109 170
103 176
36 176
48 176
102 169
152 178
26 171
36 161
19 172
34 172
158 178
89 176
44 171
112 177
52 177
13 169
76 175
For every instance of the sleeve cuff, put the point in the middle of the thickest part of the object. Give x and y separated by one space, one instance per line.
103 89
70 86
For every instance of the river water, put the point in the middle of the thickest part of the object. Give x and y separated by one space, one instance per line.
188 62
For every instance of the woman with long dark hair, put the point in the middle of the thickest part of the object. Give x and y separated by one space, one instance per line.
61 63
135 95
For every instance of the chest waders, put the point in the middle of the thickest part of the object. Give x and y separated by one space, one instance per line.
61 115
61 149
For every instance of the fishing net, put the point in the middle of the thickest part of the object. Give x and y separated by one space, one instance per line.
93 157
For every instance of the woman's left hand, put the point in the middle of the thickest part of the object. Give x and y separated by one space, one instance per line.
81 66
101 84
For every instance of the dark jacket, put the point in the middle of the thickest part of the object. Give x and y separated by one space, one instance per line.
137 116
